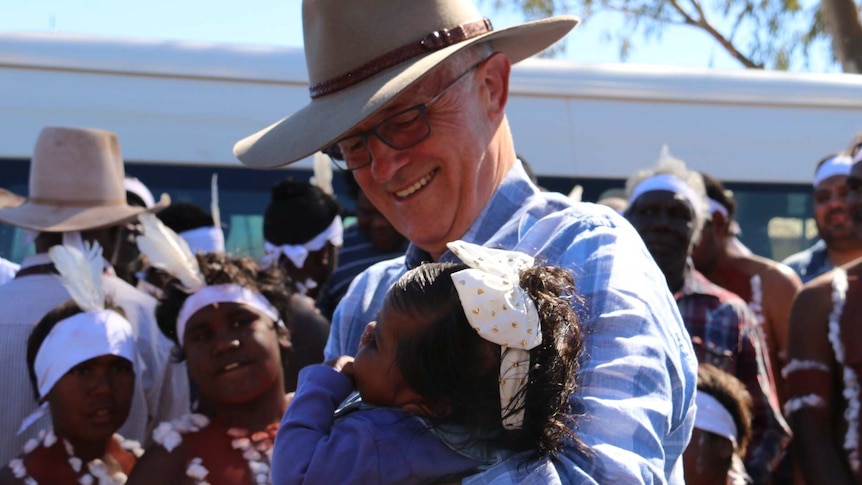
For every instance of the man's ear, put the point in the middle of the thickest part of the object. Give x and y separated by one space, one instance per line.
720 224
494 76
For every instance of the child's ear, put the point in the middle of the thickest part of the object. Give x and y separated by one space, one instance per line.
283 335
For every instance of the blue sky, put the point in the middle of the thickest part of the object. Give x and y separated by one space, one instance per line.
277 22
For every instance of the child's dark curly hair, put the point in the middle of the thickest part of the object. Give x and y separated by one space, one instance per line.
457 371
43 328
221 269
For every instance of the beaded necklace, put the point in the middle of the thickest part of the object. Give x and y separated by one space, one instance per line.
97 472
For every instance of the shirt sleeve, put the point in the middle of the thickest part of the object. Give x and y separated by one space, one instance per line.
638 372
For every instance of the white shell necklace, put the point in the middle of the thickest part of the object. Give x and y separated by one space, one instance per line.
97 472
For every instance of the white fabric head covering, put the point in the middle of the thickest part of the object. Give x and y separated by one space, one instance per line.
229 293
501 312
837 165
858 157
664 181
716 206
297 253
208 239
713 417
80 338
138 188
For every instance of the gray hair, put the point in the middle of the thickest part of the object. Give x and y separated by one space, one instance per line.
675 167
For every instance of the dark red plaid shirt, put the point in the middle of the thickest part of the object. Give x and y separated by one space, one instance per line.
725 333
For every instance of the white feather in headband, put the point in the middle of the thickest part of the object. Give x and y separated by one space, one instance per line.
81 273
168 252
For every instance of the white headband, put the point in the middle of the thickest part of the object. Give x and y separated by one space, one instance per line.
837 165
664 181
208 239
858 157
716 206
79 338
135 186
222 294
298 252
501 312
713 417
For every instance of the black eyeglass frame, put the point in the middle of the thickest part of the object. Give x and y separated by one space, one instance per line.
337 157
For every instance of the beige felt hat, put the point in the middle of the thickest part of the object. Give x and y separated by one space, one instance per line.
363 53
10 199
76 183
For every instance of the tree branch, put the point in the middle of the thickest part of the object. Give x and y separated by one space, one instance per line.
703 24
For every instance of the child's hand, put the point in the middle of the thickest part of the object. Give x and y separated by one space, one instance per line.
343 364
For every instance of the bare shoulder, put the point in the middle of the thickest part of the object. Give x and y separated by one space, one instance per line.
158 465
815 297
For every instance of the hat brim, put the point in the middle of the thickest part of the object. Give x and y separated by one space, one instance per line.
56 218
10 199
326 119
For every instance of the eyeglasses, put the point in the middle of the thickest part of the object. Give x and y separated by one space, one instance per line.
400 131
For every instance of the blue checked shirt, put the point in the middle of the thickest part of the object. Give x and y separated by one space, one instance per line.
639 370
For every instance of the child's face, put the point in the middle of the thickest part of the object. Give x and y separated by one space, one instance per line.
378 379
92 400
232 351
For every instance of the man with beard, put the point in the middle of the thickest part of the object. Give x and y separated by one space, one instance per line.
667 206
838 242
825 359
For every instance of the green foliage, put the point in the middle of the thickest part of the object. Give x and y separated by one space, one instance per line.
773 34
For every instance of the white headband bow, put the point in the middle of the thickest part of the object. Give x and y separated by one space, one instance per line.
334 233
501 312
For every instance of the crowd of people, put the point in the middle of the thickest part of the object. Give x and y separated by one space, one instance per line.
469 327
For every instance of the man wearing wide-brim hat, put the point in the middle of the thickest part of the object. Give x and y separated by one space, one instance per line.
76 194
411 97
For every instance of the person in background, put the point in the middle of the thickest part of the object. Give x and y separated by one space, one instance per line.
722 430
82 361
839 243
193 225
767 286
226 318
825 361
76 194
302 231
8 268
668 207
371 240
442 349
411 98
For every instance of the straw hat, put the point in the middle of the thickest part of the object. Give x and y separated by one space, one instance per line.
363 53
76 183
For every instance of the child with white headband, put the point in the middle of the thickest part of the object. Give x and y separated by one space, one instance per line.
82 362
225 315
486 351
722 430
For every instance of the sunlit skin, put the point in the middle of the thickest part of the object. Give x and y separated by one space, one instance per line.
233 354
665 221
833 221
456 169
91 402
725 265
821 456
378 379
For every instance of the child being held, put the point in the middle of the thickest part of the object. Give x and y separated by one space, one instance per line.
489 348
